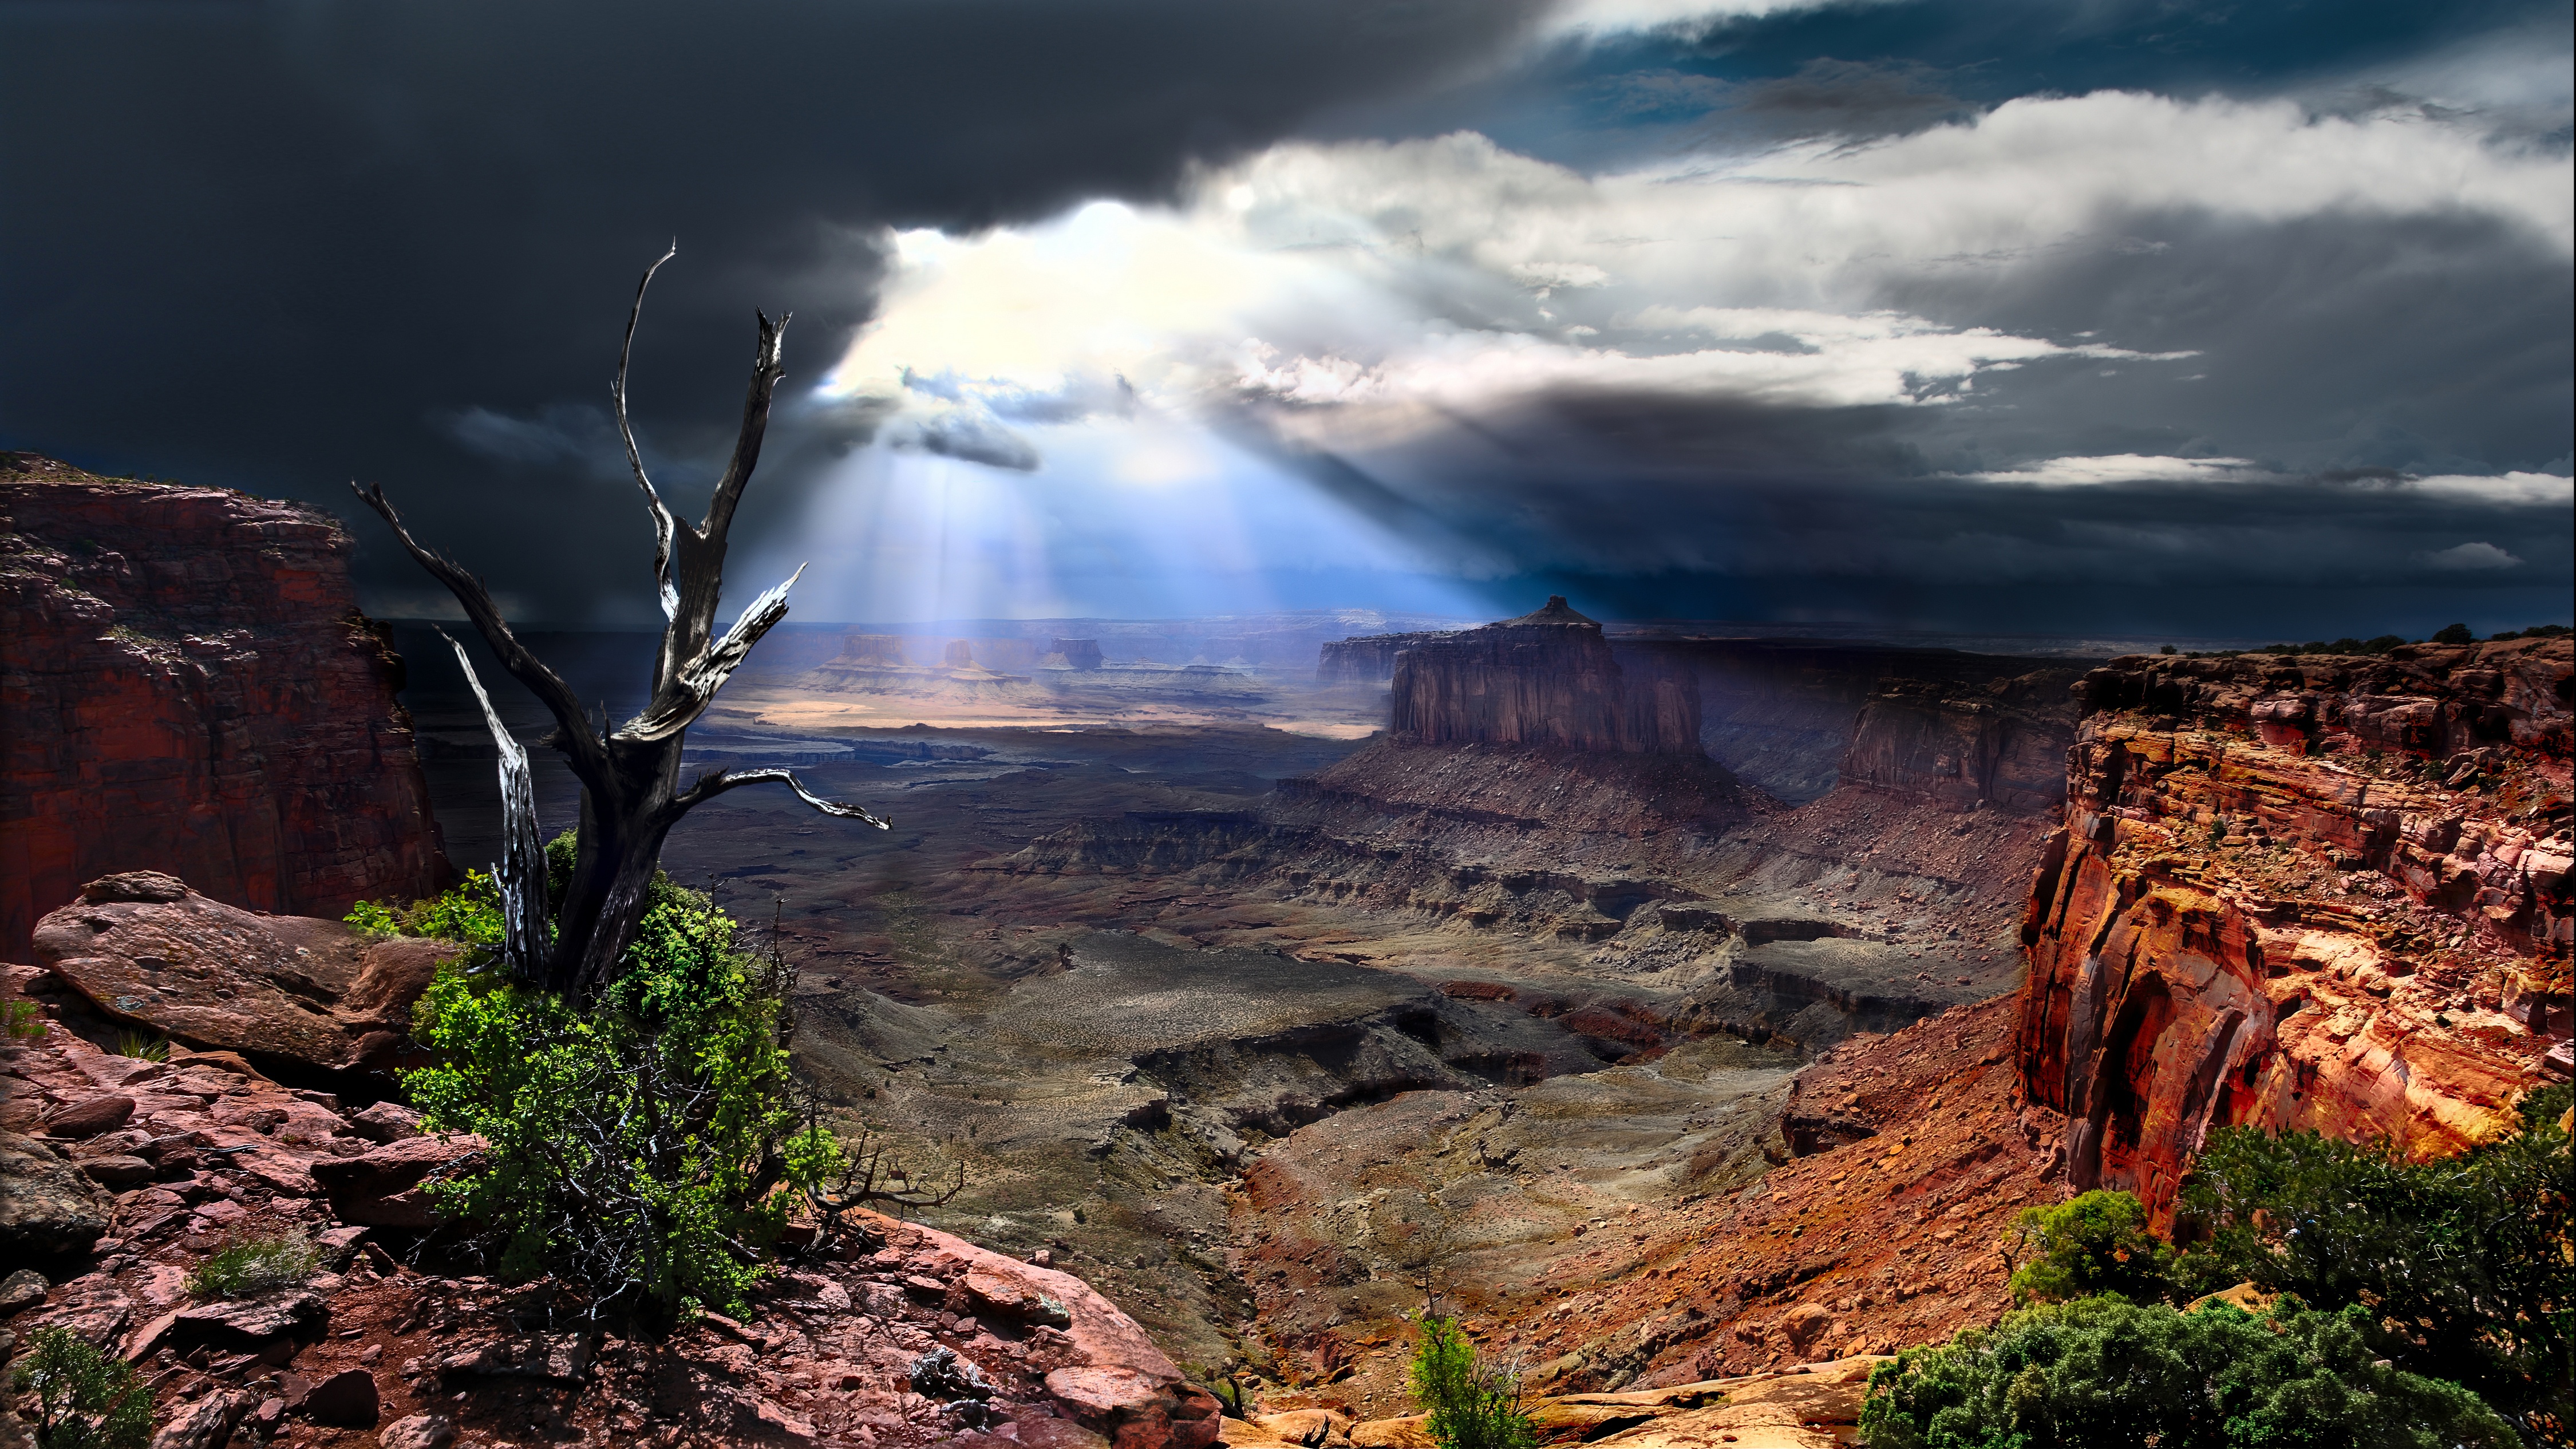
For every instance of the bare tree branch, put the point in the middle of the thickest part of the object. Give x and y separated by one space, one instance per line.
587 755
688 692
716 782
663 523
521 871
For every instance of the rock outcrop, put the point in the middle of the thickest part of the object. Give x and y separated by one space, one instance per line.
1547 678
1967 745
1368 658
877 664
2302 892
286 991
893 1336
189 687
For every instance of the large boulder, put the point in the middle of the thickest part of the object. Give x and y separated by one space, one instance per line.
47 1206
147 950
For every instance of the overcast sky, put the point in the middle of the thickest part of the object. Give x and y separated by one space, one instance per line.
2214 319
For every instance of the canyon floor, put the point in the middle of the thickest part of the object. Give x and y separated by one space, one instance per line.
1102 968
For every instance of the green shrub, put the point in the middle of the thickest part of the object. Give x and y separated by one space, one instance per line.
2104 1373
1471 1405
639 1144
2096 1243
2465 1261
23 1020
255 1263
469 912
84 1398
2454 634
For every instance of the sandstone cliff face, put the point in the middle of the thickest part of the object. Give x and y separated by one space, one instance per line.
1967 745
189 687
1368 659
1546 678
2302 893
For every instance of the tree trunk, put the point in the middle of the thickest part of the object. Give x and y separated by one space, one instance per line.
630 777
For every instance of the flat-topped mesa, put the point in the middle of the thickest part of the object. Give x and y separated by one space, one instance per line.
1368 658
1547 678
2303 892
1072 654
189 687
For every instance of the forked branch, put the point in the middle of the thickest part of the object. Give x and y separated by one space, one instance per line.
587 755
716 782
663 523
692 687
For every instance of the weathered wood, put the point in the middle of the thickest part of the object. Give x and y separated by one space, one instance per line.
630 776
520 873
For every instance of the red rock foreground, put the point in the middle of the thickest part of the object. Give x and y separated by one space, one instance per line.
123 1174
2303 893
189 687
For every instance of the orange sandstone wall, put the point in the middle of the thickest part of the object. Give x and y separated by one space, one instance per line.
187 686
2323 893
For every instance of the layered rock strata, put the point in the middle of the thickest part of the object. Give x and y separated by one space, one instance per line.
189 687
1547 678
2306 892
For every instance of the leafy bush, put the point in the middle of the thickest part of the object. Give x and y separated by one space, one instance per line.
2096 1243
469 912
84 1398
2103 1372
1471 1405
255 1263
638 1144
2466 1261
2454 634
23 1020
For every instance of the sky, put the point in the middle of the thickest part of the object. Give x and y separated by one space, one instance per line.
2090 316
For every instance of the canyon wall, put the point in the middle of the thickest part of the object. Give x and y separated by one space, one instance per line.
2302 892
1547 678
1368 659
1966 744
190 688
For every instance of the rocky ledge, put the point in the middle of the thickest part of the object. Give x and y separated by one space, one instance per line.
291 993
2303 893
124 1174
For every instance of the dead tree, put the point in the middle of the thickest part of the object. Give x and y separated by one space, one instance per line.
631 794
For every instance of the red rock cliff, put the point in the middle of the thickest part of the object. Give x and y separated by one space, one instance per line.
1998 744
1546 678
190 688
2308 892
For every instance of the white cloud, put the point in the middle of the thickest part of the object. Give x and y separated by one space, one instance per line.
2507 488
2470 556
2128 468
1378 290
1622 17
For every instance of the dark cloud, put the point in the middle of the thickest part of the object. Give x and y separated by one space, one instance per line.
276 246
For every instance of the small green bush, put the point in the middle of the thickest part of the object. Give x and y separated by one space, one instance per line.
641 1144
255 1263
23 1020
84 1398
2096 1243
469 912
2104 1373
1470 1405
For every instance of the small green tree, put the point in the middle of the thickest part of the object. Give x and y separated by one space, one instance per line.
2096 1243
84 1399
2103 1372
2467 1261
1470 1404
643 1145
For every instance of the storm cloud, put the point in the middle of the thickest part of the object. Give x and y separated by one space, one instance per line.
2135 318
